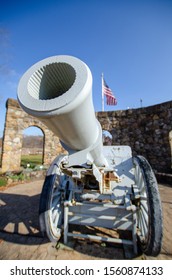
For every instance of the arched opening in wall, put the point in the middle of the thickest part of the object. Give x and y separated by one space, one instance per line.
170 139
107 138
32 155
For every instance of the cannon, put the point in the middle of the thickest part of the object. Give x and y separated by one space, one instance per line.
90 185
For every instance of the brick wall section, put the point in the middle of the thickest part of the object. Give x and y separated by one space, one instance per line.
16 121
146 130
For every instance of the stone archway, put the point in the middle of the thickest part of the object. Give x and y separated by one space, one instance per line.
146 130
16 121
32 146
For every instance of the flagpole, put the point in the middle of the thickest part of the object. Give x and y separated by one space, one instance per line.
102 95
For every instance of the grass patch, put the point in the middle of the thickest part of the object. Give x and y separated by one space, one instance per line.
19 177
33 160
3 181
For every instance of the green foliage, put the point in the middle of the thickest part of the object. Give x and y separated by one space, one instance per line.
17 177
32 160
30 163
3 181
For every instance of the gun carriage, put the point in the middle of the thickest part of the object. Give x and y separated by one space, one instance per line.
92 185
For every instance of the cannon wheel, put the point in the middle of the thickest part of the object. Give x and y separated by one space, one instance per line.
51 210
149 214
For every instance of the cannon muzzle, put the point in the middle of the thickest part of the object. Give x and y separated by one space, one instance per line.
58 91
93 186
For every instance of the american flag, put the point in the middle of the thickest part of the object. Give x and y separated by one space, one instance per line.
110 98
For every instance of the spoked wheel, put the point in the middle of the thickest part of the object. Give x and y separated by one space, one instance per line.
149 214
51 202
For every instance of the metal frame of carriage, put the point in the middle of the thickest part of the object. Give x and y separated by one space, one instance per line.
93 185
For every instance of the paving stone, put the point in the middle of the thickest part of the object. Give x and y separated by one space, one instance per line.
23 240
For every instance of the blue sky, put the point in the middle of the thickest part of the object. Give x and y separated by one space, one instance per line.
129 41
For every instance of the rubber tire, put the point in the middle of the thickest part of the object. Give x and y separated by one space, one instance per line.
44 209
153 244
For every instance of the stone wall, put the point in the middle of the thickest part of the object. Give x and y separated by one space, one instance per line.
147 130
16 121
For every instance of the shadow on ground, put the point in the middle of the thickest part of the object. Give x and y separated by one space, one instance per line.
20 235
19 224
19 219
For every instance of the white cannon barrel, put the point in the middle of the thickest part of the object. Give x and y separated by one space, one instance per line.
58 91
